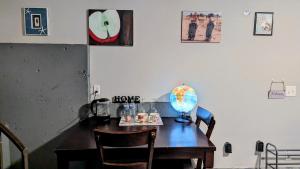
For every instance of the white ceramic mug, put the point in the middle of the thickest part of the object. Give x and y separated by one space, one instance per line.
154 117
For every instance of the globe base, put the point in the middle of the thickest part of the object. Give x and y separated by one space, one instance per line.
184 119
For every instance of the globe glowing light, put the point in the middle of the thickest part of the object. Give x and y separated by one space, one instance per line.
183 98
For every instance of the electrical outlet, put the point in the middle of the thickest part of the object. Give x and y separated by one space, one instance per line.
290 91
96 89
95 92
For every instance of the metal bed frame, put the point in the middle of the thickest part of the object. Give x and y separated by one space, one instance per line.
281 156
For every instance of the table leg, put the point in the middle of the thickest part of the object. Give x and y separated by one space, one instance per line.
61 163
199 163
208 161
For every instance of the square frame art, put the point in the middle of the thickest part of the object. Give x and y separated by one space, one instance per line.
201 27
35 21
263 24
110 27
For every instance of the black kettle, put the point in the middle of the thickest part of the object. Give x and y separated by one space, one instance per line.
100 109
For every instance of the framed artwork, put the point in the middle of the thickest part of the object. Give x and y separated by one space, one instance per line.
35 21
197 26
110 27
263 23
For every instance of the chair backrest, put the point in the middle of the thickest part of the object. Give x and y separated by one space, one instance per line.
208 118
17 142
125 139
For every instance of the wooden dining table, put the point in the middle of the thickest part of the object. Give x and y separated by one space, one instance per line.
174 141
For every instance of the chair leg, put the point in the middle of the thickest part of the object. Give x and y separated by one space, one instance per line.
199 163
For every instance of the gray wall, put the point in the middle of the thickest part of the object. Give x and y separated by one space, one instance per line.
42 88
231 77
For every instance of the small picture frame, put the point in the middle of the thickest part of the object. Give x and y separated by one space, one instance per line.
35 21
263 24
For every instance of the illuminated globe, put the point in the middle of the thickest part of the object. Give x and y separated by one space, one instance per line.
183 98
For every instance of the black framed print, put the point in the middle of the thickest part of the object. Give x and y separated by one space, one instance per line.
263 24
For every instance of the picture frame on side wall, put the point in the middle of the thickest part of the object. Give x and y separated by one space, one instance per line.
35 21
201 27
263 24
107 27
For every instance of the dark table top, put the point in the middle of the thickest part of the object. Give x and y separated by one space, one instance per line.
171 135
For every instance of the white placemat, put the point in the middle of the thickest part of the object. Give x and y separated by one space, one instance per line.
124 123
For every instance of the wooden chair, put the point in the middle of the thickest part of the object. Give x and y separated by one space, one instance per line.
207 118
125 139
13 138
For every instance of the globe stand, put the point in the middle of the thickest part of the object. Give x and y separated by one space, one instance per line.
184 118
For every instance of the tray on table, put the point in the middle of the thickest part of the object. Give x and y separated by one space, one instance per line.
159 122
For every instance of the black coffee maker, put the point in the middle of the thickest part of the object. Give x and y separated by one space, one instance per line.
100 109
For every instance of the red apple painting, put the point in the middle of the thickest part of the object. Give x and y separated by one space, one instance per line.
110 27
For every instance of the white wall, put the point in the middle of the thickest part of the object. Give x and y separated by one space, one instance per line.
232 77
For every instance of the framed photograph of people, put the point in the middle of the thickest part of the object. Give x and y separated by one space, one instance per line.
263 24
199 26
